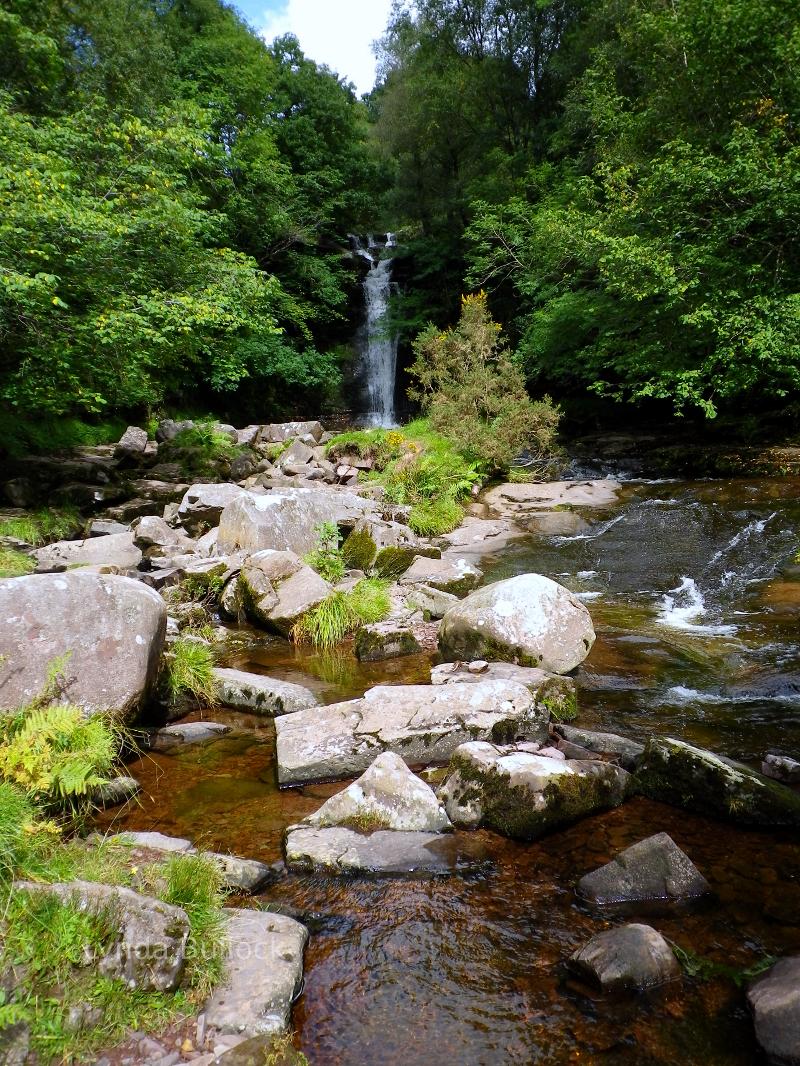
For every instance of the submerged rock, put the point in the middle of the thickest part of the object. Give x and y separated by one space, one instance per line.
111 628
386 796
631 958
629 752
261 695
781 768
528 619
774 1000
420 723
186 733
264 973
522 794
679 773
385 852
276 588
653 871
552 691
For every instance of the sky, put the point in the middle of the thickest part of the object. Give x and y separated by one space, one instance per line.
338 33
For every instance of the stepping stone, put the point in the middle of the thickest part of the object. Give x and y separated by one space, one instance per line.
653 871
629 752
385 852
631 958
178 736
261 695
243 875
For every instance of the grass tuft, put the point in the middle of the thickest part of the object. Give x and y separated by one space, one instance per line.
15 563
342 613
43 526
190 666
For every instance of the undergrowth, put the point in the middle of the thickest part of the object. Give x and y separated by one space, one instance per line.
342 613
15 563
326 558
42 526
200 449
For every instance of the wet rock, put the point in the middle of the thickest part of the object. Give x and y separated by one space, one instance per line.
112 628
384 640
285 519
519 499
449 574
242 875
133 441
523 794
652 871
774 1000
180 736
261 695
385 852
116 549
553 523
679 773
386 796
276 588
629 752
149 951
553 692
202 504
230 604
420 723
432 602
154 841
781 768
476 537
117 790
264 972
529 620
631 958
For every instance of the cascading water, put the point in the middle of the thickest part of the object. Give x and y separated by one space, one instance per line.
378 344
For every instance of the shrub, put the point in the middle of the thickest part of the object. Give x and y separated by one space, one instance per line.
326 558
190 669
15 563
473 391
342 613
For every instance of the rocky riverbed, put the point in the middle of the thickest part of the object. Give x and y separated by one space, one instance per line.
547 835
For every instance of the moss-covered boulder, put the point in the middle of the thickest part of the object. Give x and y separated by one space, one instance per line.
554 693
679 773
384 640
524 795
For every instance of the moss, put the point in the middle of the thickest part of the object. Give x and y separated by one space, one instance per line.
472 644
560 699
15 563
372 646
359 550
391 562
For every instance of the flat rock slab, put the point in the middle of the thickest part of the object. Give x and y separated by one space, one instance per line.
479 537
112 628
514 497
242 875
385 852
155 841
264 974
553 691
452 573
653 871
115 549
631 958
774 1000
421 723
629 752
679 773
261 695
172 737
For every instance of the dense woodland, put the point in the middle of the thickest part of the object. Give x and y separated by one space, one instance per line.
622 177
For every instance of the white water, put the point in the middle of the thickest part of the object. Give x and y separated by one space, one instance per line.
379 348
685 608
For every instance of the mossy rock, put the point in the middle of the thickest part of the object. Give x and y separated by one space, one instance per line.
359 550
375 643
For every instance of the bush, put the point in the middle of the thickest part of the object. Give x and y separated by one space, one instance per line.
326 558
190 669
342 613
473 391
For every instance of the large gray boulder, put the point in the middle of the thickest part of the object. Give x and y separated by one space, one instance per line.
202 504
276 588
552 691
451 573
385 852
261 695
522 794
653 871
679 773
386 796
116 549
774 1000
154 537
631 958
286 519
132 442
529 619
264 973
111 627
420 723
148 952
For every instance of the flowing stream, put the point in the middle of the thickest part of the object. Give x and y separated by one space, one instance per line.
697 637
379 344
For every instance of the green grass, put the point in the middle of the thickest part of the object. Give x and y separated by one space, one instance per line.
15 563
432 518
327 558
189 669
195 883
43 526
342 613
20 437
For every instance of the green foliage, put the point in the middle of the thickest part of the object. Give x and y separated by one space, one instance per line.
432 518
190 670
20 844
195 883
704 969
40 527
379 445
342 613
326 558
15 563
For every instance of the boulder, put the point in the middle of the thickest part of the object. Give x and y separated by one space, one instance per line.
149 950
679 773
247 435
432 602
449 574
519 499
286 519
172 737
116 790
384 640
555 693
152 532
242 466
116 549
388 546
278 433
630 958
154 841
241 875
524 794
168 429
774 1000
261 695
528 619
386 796
102 527
203 504
264 974
653 871
297 454
133 441
385 852
420 723
276 588
629 753
781 768
112 628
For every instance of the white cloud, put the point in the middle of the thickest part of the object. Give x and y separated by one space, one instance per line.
338 33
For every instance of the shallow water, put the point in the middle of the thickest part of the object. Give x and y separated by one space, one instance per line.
697 636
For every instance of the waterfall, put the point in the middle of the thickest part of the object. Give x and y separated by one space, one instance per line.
378 346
